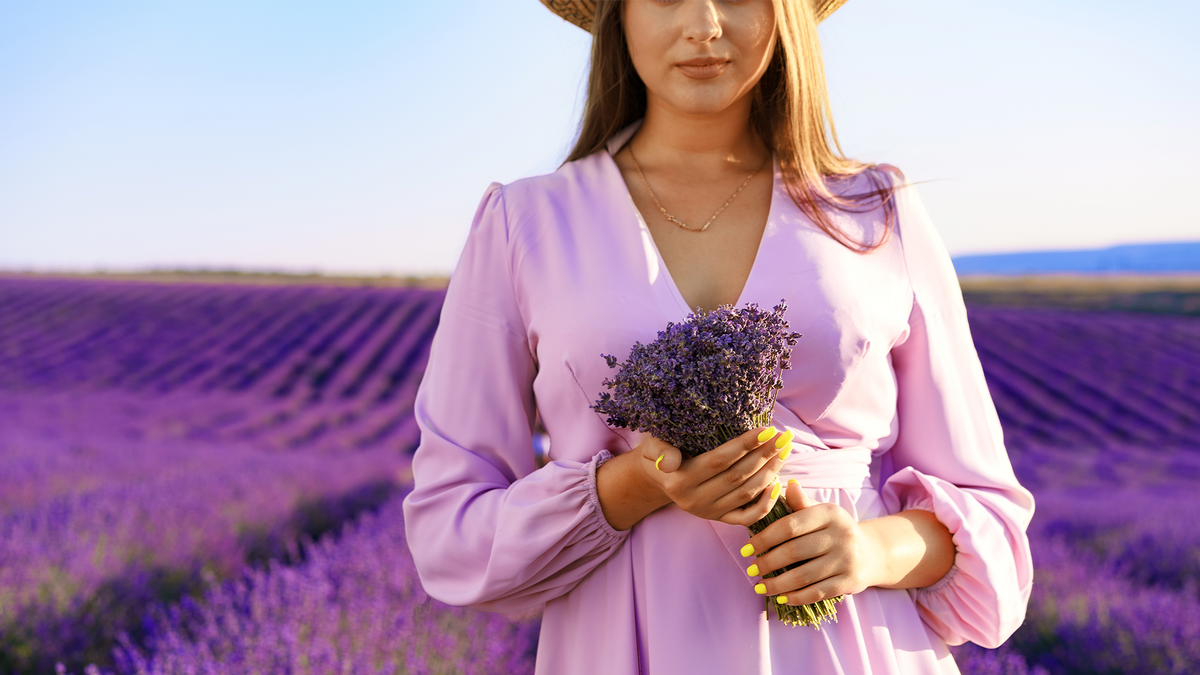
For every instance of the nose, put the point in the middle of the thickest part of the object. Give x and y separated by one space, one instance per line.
702 21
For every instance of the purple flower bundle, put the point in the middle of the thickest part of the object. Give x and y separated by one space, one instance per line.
704 382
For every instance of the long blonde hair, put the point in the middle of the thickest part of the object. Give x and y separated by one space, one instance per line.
790 113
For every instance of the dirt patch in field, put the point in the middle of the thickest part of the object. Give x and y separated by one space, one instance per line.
1166 294
236 277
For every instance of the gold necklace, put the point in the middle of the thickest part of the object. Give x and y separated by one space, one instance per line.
679 222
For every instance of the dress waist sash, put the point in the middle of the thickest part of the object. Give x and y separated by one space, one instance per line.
832 468
815 464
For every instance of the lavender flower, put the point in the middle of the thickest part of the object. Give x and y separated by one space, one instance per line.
704 382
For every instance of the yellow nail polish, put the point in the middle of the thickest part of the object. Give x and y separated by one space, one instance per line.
792 482
785 440
781 599
752 570
659 461
747 550
776 490
761 589
766 433
783 454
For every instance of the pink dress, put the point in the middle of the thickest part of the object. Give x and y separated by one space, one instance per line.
886 395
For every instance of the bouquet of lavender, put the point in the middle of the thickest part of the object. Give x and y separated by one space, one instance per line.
704 382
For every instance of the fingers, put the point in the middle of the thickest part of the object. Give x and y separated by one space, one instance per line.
823 590
797 498
665 457
749 481
822 576
769 455
824 543
732 483
756 511
724 456
804 521
669 460
806 547
716 499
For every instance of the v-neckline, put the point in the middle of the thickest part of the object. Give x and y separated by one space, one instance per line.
644 230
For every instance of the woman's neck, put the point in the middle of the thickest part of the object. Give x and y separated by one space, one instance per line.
698 145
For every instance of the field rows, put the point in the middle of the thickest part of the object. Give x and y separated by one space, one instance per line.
178 458
331 368
1066 378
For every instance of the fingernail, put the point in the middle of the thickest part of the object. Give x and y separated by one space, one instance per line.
793 481
766 433
659 461
776 490
784 454
761 589
752 570
781 599
747 550
785 439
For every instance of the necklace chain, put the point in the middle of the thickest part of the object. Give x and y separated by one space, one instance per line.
679 222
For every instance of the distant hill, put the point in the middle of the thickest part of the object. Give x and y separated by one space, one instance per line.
1132 258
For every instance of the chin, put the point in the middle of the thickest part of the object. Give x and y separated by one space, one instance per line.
703 105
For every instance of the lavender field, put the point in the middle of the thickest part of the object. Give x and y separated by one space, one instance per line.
206 478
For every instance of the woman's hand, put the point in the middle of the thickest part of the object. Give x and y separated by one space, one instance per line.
827 536
736 482
733 483
910 549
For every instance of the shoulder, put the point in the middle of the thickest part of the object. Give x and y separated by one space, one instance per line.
569 181
921 244
870 180
566 195
861 206
531 218
904 199
908 219
890 170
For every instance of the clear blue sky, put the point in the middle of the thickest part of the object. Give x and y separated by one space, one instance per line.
357 137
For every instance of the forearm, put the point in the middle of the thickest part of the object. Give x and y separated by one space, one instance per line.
624 498
912 549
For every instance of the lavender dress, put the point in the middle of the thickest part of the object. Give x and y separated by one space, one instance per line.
886 396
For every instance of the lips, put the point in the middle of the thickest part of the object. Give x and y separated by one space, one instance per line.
703 68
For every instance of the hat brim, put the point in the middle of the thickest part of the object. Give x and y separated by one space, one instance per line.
581 12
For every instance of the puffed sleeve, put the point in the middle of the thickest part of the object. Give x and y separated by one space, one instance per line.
949 457
485 526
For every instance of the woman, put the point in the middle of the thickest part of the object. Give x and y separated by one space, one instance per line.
702 176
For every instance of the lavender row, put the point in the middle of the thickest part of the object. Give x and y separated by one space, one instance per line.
80 415
1090 467
314 342
1116 588
96 377
1088 615
354 605
144 522
1091 379
1148 537
358 604
1064 378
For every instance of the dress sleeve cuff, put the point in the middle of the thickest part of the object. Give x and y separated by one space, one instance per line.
982 598
593 496
946 580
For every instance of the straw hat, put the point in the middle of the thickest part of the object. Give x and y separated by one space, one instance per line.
580 12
